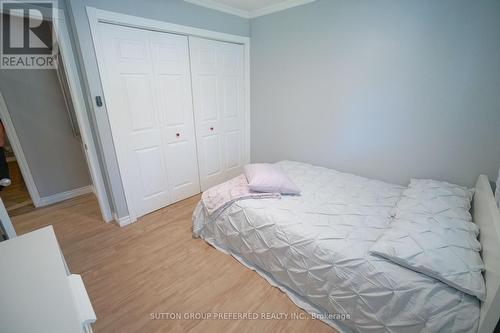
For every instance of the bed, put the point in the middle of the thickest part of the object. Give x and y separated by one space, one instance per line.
315 248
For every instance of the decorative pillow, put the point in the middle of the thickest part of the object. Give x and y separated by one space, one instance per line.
443 187
441 251
436 198
433 233
445 221
264 177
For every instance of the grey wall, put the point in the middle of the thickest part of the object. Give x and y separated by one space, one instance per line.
38 111
385 89
173 11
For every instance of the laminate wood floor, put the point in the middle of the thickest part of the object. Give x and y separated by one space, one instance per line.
155 267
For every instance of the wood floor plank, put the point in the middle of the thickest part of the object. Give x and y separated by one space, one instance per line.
156 266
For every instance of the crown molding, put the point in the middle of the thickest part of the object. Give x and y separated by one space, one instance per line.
246 13
278 7
221 7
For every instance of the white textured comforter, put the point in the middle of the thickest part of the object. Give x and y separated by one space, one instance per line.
315 247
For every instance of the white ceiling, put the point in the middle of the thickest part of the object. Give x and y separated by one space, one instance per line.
249 8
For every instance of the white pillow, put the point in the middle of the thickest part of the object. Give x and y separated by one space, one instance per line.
443 252
433 233
436 198
264 177
443 187
445 221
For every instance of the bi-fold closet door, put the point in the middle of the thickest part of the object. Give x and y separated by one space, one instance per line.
175 106
217 71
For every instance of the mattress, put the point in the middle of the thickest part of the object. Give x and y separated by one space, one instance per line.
315 247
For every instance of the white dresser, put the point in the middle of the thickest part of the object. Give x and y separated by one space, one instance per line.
37 292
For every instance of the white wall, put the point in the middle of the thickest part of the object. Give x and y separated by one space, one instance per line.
381 88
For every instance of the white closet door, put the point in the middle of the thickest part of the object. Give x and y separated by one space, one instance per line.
217 72
146 85
173 87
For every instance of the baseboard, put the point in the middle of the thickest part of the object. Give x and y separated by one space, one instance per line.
58 197
122 221
20 205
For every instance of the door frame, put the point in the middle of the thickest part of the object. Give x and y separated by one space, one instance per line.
96 16
19 153
76 94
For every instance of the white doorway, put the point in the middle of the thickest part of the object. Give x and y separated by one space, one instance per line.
83 127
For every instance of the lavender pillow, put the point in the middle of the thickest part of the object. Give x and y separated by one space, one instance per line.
270 178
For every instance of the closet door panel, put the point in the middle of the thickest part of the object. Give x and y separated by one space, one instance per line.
212 155
208 124
233 151
208 98
138 90
217 76
134 116
173 88
147 86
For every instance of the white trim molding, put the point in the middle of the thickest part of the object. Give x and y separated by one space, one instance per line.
58 197
279 7
98 15
249 14
123 221
76 93
5 222
221 7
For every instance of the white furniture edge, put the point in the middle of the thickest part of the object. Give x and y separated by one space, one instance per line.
58 197
487 216
76 93
97 16
82 300
30 255
5 223
249 14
